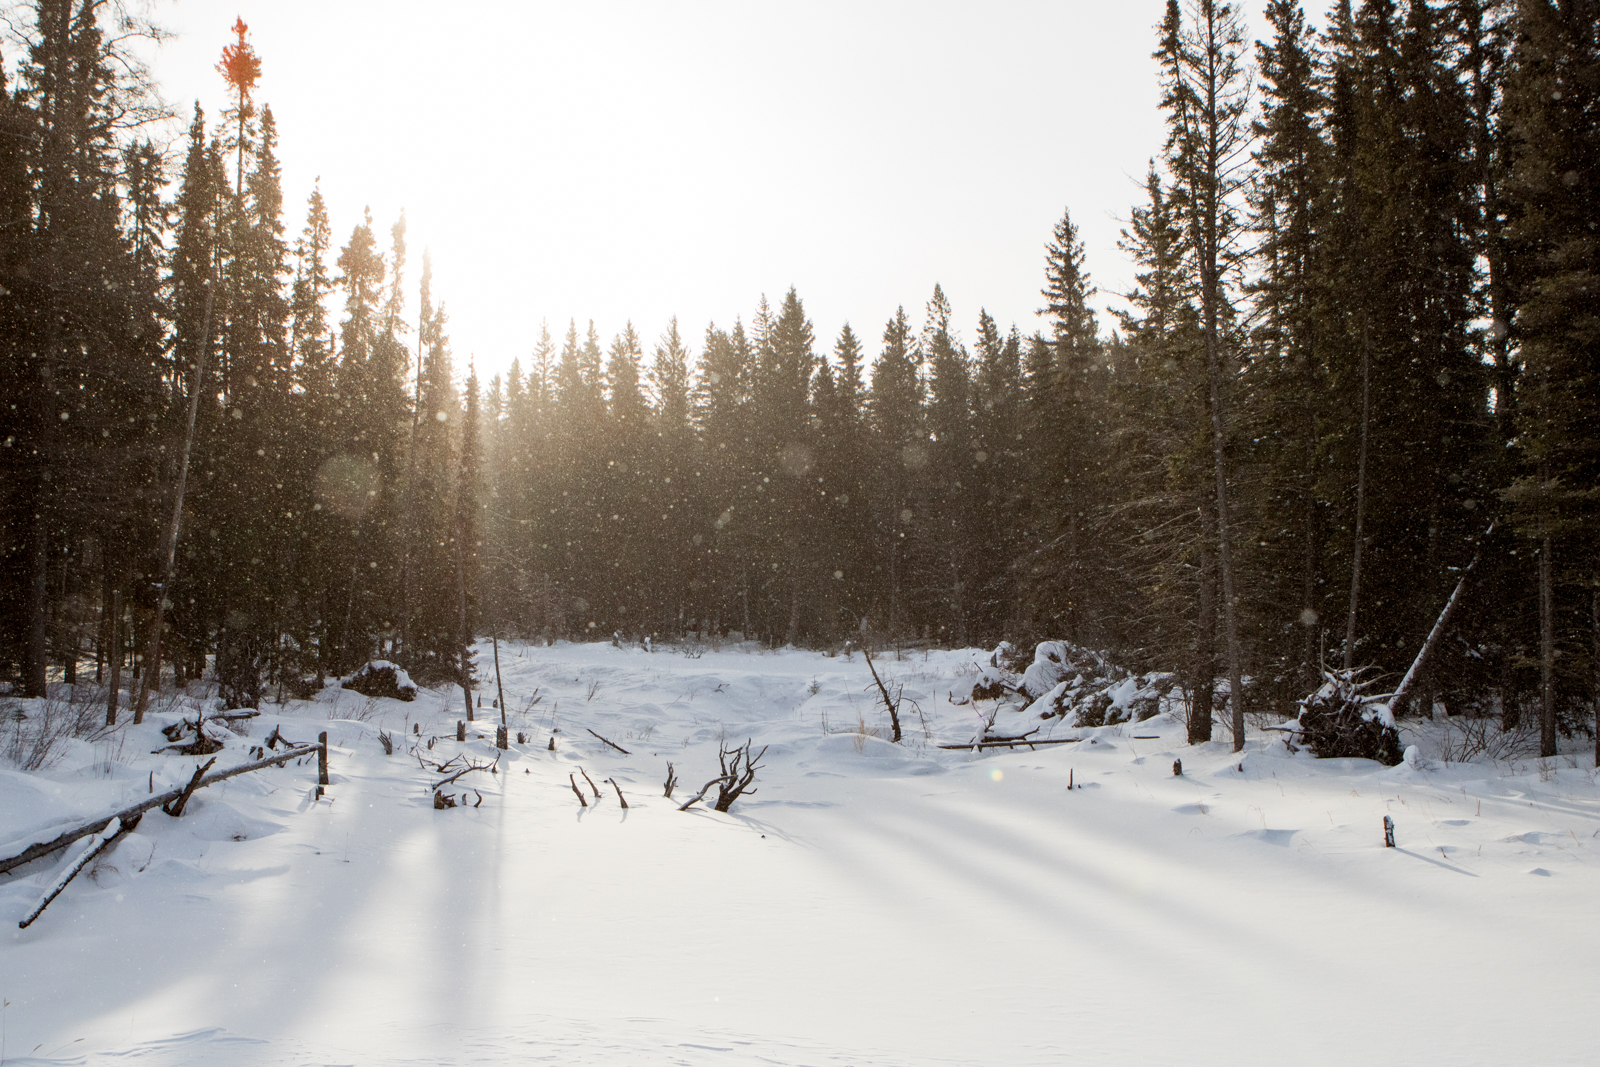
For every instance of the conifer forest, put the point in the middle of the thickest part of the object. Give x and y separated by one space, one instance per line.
1362 355
1202 669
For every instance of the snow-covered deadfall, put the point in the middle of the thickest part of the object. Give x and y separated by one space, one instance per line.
869 904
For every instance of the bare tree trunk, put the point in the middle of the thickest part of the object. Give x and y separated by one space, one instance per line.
1361 496
1224 538
1204 671
1594 663
152 667
405 534
461 626
1547 651
114 653
499 687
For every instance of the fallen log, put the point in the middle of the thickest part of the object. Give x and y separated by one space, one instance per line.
33 852
100 840
1015 744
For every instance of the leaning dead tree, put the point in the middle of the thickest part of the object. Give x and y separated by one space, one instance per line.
892 703
1401 696
738 774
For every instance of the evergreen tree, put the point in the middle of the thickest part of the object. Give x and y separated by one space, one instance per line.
1205 91
1552 98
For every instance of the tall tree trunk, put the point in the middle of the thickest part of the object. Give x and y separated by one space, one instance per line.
461 626
1547 651
1230 620
1204 670
114 654
1361 496
1594 662
152 670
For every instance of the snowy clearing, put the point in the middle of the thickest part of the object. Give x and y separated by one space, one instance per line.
870 904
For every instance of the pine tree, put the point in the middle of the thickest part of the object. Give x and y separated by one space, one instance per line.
1065 589
1552 97
1205 93
894 406
1286 381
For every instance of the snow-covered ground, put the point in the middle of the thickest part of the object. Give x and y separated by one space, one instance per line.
871 904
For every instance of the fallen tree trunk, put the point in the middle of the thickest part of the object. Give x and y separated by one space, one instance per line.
1014 744
33 852
110 833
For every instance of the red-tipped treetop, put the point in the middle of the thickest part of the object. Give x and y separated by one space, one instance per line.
240 64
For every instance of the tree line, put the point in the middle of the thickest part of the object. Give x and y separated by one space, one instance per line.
1360 351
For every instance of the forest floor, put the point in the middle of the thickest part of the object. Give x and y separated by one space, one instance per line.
871 904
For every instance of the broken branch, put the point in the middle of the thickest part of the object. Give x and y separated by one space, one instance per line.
112 831
613 744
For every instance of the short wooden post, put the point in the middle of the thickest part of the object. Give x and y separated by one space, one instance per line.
1388 832
500 740
461 730
322 758
1177 767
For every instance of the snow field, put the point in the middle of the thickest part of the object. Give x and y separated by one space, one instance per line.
870 904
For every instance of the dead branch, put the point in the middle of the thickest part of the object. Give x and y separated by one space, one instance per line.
100 840
572 780
686 805
736 782
624 800
175 809
468 769
613 744
1013 744
738 773
892 704
672 780
33 852
591 782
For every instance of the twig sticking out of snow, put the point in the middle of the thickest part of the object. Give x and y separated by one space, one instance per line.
624 800
96 843
175 808
613 744
672 780
572 780
734 781
893 704
591 782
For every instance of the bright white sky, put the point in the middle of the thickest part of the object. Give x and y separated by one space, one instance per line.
623 160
